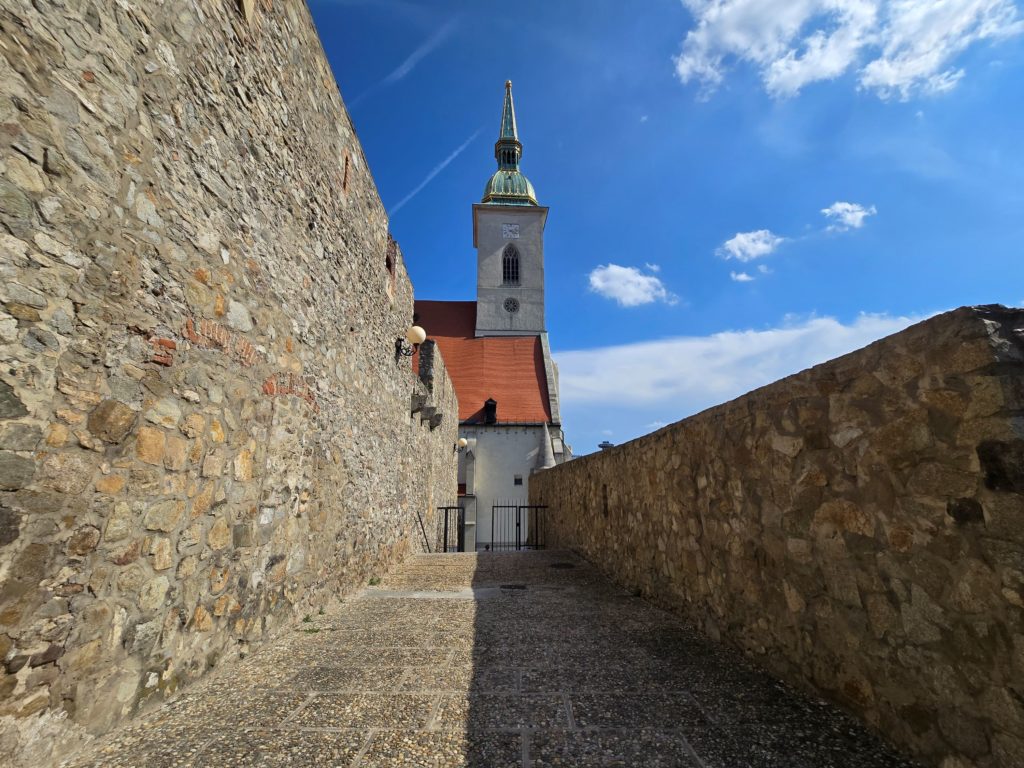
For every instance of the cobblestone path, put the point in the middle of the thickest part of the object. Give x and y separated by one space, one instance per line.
527 659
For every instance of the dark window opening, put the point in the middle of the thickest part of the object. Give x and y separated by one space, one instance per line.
390 260
344 178
517 480
604 500
510 266
490 412
390 254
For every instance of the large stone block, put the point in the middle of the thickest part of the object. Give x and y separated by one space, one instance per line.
10 526
15 471
149 445
219 535
164 516
11 406
67 473
84 540
121 522
162 555
112 420
153 594
19 436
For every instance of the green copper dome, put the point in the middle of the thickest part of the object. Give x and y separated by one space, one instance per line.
508 186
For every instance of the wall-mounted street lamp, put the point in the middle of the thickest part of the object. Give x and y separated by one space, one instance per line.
413 338
460 444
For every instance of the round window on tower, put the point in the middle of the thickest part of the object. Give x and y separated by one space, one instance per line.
511 305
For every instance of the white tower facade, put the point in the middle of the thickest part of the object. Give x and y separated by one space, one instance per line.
508 234
509 241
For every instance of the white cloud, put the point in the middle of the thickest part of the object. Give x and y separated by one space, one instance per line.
628 286
763 269
683 375
652 267
847 215
747 246
741 277
897 47
643 118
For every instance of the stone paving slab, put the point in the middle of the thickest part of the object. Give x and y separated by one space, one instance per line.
648 748
364 710
248 748
502 712
518 660
444 749
348 679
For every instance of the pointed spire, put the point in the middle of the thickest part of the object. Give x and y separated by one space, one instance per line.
546 454
508 150
508 116
508 186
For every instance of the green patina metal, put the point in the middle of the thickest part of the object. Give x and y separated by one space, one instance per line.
508 186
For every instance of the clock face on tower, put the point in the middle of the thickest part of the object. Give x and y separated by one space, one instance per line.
510 231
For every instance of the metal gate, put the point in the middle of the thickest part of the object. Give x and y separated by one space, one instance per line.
453 529
517 527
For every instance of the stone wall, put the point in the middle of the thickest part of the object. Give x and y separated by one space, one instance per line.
205 429
859 526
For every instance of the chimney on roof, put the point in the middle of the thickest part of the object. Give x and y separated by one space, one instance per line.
490 411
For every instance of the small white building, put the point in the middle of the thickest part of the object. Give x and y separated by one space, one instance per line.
497 353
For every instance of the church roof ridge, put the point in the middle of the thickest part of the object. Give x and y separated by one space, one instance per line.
509 369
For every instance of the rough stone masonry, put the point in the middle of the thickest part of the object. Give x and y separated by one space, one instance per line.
858 526
205 430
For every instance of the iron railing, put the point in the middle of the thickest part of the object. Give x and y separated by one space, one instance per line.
516 526
452 521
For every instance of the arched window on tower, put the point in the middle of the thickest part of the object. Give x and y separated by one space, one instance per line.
510 266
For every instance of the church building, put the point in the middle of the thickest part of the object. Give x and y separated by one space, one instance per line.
497 354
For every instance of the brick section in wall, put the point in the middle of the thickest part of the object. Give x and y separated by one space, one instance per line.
210 335
859 527
289 384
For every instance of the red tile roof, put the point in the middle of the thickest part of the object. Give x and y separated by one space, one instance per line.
508 369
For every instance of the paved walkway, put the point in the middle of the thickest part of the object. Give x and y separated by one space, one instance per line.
527 659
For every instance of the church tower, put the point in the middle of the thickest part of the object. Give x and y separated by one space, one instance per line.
498 354
508 234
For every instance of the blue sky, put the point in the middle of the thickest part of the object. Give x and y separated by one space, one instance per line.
738 189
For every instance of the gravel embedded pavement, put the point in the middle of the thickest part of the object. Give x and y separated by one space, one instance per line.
492 660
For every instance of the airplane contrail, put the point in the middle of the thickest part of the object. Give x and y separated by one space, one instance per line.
437 169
